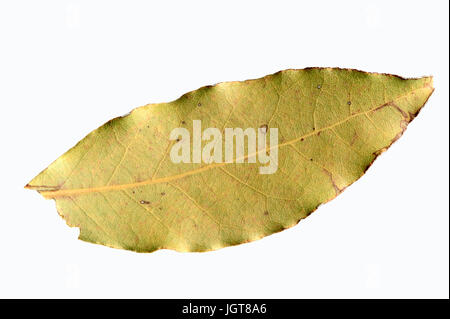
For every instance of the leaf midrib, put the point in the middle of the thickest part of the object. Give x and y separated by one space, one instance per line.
67 192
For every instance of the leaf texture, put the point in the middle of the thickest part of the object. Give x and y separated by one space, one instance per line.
120 187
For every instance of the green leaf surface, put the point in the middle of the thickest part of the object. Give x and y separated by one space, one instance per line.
121 188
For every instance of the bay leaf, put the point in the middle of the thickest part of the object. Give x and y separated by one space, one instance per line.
120 186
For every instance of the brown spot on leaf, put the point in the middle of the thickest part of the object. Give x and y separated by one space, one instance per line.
333 182
144 202
381 107
403 113
264 128
355 136
380 151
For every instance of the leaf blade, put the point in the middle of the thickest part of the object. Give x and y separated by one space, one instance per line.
331 131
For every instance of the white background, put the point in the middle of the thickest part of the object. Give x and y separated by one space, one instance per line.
66 67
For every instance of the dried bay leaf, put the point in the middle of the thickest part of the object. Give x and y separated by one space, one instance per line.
120 187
